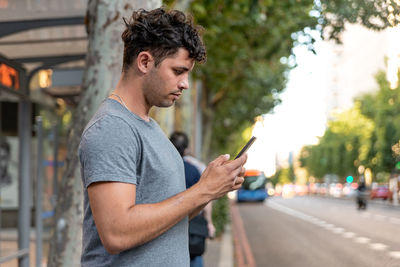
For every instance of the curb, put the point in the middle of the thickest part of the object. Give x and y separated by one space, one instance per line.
243 253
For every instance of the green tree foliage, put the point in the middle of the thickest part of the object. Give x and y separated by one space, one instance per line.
383 107
343 147
220 214
249 45
374 14
283 176
368 135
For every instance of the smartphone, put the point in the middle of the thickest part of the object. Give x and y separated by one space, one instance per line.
246 147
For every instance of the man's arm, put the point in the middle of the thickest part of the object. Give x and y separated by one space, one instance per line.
122 224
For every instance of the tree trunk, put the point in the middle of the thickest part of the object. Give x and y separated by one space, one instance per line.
103 68
208 117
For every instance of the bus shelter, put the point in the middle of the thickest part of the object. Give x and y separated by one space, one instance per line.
42 56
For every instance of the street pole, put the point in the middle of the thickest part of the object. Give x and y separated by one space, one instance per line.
24 183
39 192
55 164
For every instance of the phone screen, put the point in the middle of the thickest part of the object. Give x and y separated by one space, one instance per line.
246 147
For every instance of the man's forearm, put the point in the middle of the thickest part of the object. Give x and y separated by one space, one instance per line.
196 211
144 222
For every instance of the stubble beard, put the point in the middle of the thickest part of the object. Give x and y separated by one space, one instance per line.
153 89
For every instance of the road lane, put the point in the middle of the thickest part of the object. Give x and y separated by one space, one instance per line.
378 223
306 232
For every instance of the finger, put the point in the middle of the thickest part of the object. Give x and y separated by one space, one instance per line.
234 164
236 187
238 180
242 171
221 159
237 172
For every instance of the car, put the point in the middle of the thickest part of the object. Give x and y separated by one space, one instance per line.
253 187
349 190
335 190
381 192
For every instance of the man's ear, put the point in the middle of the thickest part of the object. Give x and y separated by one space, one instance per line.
144 61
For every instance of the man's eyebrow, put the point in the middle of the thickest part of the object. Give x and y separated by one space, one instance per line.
182 68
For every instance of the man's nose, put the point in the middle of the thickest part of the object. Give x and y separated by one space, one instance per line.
184 84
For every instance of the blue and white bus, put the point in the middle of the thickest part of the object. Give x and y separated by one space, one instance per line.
253 187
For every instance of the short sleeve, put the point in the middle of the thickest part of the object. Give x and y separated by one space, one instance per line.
109 151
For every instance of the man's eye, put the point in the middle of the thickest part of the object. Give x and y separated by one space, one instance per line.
178 72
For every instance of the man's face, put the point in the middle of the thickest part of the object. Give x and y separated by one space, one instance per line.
164 84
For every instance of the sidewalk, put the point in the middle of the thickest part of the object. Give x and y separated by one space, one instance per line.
219 251
9 246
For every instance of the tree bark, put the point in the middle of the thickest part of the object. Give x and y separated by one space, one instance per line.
208 117
103 68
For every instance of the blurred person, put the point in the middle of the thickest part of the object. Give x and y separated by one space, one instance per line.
208 208
136 205
361 195
200 226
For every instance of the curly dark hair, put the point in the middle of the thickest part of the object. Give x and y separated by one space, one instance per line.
161 33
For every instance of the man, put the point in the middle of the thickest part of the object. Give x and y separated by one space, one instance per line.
203 223
136 208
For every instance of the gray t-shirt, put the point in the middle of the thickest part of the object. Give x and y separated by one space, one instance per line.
117 145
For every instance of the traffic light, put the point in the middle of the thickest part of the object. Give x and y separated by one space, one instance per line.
349 179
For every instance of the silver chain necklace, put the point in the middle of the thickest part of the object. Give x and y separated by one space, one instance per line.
120 98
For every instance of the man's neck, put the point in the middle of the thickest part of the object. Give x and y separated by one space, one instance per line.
129 90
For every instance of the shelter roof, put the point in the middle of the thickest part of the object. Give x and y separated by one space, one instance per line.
43 33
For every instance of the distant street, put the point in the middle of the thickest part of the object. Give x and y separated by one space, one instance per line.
316 231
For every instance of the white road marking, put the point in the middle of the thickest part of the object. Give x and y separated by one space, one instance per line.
395 254
349 235
378 246
362 240
315 221
394 220
338 230
379 217
329 226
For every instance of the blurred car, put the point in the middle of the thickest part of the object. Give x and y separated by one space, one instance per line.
313 188
349 190
382 192
323 189
288 191
335 189
253 187
301 190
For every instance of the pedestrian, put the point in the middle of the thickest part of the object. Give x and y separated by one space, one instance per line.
362 194
136 206
201 226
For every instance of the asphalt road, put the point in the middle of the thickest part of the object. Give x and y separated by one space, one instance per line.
313 231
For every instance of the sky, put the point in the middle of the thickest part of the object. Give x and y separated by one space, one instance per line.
301 116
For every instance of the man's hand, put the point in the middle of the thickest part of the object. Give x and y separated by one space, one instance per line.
222 176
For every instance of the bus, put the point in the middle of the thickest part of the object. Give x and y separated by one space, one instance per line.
253 187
